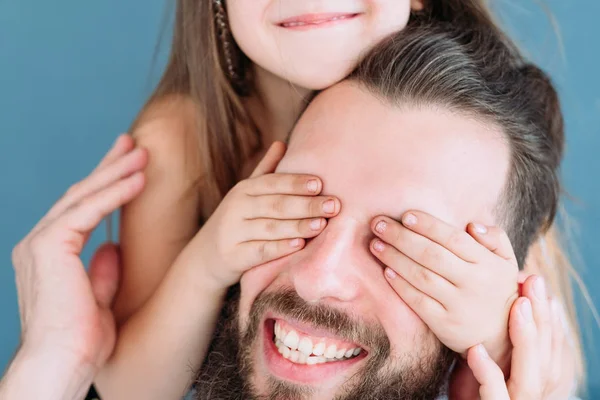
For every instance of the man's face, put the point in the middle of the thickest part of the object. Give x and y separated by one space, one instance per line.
332 297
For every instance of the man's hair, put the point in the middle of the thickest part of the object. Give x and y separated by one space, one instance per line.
477 72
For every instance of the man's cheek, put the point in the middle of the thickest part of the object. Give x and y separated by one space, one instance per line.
403 326
257 280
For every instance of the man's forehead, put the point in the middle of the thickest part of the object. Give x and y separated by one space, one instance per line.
380 158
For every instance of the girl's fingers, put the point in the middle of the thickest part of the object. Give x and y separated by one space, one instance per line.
280 206
298 184
559 342
488 374
455 240
275 229
84 216
125 166
425 306
424 280
494 239
525 376
262 251
534 288
270 161
122 145
420 249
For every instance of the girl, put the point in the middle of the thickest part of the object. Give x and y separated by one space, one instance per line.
237 79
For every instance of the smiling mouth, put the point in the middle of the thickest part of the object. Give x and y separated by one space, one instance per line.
316 20
300 348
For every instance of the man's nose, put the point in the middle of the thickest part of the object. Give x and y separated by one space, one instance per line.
329 268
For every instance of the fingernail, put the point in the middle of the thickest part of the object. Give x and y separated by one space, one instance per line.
378 245
525 309
295 242
409 219
390 273
539 288
482 351
381 226
481 229
329 206
315 224
312 185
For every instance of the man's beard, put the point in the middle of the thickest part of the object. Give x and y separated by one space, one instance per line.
227 371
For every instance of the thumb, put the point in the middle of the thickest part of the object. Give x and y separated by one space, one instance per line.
104 273
494 239
269 162
488 374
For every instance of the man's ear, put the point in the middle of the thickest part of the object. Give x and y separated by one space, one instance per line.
417 5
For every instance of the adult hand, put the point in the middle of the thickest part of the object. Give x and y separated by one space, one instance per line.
542 361
64 311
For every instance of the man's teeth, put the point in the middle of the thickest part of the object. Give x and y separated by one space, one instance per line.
302 351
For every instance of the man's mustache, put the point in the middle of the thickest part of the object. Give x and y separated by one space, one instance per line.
288 303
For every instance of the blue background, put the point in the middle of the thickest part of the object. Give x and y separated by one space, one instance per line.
73 74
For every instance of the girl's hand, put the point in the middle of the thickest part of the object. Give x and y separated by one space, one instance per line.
63 309
263 218
461 284
542 365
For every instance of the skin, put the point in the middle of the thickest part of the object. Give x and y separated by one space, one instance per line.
313 56
68 329
64 361
408 161
165 216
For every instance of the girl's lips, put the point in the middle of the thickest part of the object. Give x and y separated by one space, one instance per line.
311 21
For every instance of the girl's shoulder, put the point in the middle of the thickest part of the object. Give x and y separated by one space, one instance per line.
167 128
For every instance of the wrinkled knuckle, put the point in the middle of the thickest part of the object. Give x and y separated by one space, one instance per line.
271 226
398 235
454 240
424 275
431 255
278 205
261 252
417 301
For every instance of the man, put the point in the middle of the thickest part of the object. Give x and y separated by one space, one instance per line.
382 149
417 127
